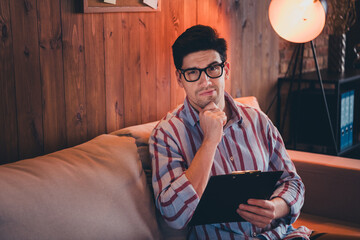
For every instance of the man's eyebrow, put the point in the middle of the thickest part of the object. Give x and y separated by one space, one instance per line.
210 64
214 62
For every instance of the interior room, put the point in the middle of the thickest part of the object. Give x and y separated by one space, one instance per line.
83 83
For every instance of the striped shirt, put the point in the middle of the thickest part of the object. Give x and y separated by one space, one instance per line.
250 142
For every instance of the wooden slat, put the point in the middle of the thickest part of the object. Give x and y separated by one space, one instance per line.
95 75
132 74
248 12
8 123
163 60
50 42
190 15
74 73
181 18
27 77
270 63
256 50
148 67
236 68
114 71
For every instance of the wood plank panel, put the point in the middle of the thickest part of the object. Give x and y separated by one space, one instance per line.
95 74
54 121
163 60
248 50
148 67
256 49
132 74
74 73
183 16
270 62
236 60
190 14
114 74
27 78
8 123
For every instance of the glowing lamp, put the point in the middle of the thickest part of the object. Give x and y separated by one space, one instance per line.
301 21
297 21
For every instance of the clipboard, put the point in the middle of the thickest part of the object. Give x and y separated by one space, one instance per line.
224 193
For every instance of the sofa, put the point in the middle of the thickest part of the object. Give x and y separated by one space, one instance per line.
101 189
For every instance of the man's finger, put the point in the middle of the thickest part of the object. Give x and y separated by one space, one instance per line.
253 218
260 203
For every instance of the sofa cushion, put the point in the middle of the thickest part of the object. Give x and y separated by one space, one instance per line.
96 190
141 134
250 101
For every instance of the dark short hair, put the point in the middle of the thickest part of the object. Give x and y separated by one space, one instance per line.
198 38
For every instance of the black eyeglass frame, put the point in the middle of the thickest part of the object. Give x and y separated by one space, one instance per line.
222 65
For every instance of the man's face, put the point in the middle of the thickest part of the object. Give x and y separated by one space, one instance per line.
205 90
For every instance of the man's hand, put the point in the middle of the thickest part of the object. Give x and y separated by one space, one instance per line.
261 212
212 120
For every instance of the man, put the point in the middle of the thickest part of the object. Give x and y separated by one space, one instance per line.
211 134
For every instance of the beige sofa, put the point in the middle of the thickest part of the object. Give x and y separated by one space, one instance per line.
100 190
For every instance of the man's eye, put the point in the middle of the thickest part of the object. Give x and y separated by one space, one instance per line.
192 72
214 68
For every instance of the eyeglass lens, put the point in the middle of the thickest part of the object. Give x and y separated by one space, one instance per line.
213 71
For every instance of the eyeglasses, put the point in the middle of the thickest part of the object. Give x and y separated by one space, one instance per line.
212 71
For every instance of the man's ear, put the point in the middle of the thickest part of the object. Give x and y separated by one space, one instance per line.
178 78
227 70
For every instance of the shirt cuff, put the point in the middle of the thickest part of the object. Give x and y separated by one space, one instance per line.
185 192
290 201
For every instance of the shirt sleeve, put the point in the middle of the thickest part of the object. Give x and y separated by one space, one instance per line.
290 187
174 195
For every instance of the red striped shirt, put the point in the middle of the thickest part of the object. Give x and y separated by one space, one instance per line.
250 142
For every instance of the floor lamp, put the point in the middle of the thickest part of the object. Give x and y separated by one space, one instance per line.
301 21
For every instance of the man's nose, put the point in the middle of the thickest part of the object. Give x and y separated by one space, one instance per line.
204 79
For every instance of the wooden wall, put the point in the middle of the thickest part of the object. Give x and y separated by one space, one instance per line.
67 77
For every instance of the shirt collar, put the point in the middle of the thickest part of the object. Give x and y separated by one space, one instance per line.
193 115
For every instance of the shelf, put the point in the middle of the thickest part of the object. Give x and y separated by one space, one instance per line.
307 125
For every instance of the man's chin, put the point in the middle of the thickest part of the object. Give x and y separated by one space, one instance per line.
203 104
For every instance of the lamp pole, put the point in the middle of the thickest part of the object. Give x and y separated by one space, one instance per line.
324 97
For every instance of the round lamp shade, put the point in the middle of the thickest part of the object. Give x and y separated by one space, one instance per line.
297 21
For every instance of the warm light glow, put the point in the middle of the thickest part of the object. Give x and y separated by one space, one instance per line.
297 21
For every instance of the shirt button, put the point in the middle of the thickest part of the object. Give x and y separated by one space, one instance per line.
232 158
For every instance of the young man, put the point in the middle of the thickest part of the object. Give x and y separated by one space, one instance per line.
211 134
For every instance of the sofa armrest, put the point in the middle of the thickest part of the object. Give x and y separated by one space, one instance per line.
332 185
